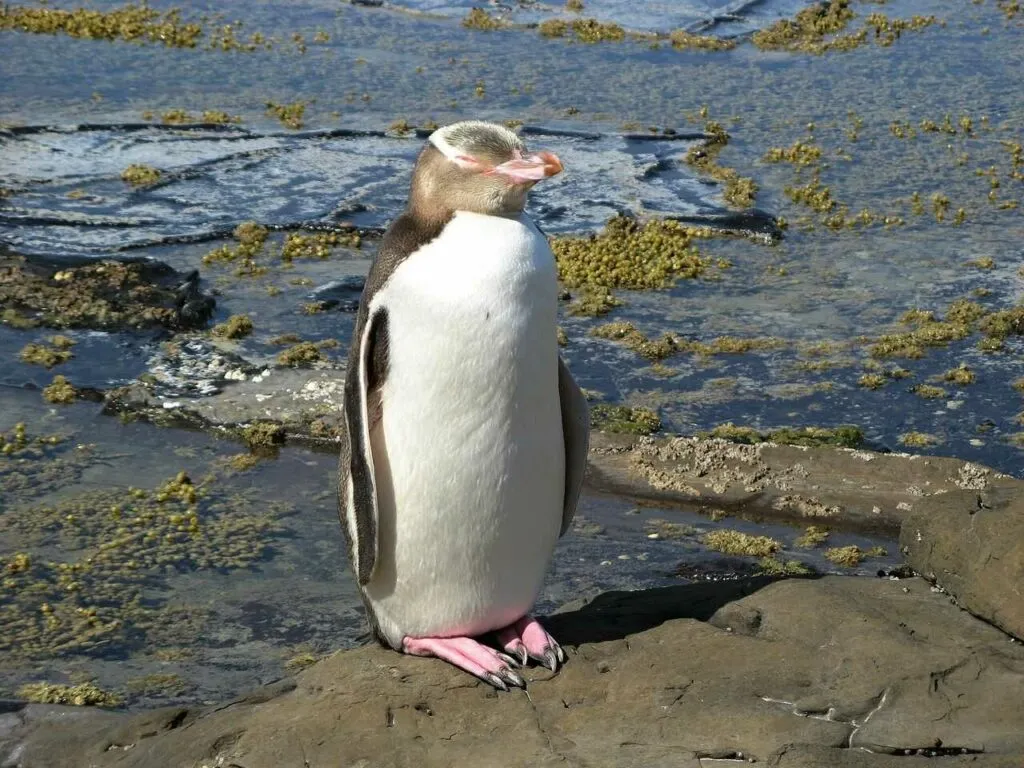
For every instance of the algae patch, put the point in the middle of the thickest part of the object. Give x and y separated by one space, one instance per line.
630 254
60 391
141 175
235 327
853 555
81 695
737 543
624 419
844 436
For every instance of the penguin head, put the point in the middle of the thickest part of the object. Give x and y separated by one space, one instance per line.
479 167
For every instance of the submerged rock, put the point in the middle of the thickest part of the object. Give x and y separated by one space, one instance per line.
103 295
795 673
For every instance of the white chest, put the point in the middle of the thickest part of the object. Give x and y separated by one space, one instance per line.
470 436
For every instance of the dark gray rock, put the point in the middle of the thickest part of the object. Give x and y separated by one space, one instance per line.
831 672
971 543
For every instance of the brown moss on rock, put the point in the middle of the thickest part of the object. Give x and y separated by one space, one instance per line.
812 537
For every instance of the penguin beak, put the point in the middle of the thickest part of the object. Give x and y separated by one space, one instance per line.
523 170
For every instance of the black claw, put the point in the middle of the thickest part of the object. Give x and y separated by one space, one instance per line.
510 661
496 681
524 656
550 659
512 678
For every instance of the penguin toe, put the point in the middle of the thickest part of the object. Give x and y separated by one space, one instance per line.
527 639
485 663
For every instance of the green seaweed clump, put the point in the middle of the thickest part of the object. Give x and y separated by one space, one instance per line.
594 302
1001 324
628 254
59 391
478 18
118 546
301 661
140 175
806 32
798 153
961 375
251 238
235 327
812 537
730 542
633 339
317 245
812 194
263 434
928 392
553 28
594 31
772 566
888 31
45 355
624 419
928 332
852 555
918 439
872 381
737 190
81 695
303 353
683 40
844 436
133 23
159 684
290 115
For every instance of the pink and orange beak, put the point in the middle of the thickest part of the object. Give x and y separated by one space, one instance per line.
522 170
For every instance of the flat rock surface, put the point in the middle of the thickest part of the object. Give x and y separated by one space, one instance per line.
974 548
852 489
829 672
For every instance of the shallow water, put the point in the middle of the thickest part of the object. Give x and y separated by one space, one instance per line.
381 64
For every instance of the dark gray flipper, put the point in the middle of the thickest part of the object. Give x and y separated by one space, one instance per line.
576 434
357 485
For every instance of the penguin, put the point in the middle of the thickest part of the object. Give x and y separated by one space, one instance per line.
466 436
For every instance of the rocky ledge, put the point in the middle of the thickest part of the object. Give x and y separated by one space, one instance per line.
833 672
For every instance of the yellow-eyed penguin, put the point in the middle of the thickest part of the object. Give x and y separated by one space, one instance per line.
466 436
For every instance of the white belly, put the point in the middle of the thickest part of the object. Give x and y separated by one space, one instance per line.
468 455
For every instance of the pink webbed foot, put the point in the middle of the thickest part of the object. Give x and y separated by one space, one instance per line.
468 655
526 638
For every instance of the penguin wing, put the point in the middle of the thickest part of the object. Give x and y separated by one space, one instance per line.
367 369
576 434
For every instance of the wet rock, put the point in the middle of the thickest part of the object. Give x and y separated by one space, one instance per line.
830 672
103 295
342 295
306 403
835 487
971 544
